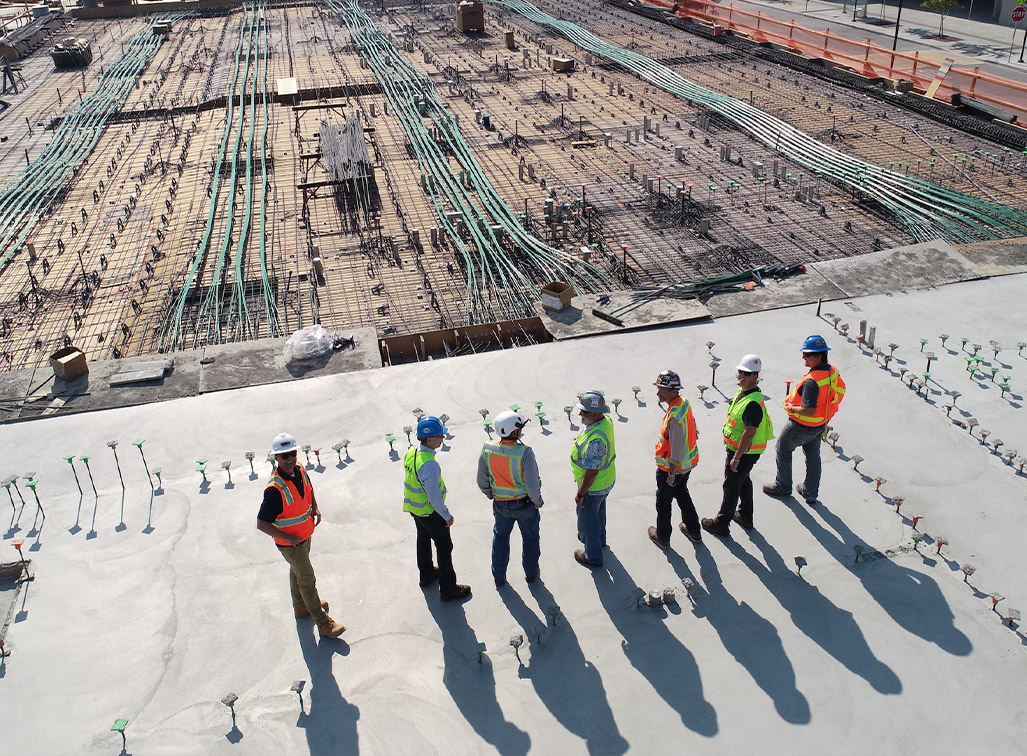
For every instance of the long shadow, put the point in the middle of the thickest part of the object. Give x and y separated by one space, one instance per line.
76 528
331 723
751 639
560 666
911 598
653 650
833 629
473 685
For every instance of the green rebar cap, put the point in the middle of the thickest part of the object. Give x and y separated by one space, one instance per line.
138 443
119 725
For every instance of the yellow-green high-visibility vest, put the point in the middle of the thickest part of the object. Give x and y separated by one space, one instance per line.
415 498
734 427
505 466
607 470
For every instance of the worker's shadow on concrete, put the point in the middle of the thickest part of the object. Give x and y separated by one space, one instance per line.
751 639
653 650
331 723
833 629
911 598
472 685
560 666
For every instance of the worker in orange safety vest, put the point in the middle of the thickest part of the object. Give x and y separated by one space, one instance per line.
810 406
508 474
677 452
289 514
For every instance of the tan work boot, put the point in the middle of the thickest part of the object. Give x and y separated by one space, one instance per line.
302 611
330 628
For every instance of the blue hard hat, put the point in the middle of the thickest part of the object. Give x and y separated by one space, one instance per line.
430 426
815 343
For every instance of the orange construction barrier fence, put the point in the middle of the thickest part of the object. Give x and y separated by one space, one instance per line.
864 58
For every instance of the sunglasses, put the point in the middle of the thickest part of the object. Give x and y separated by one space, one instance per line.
288 455
742 372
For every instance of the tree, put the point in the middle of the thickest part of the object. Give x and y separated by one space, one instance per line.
944 7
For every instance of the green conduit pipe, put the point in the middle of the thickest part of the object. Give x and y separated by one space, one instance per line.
496 285
30 194
926 210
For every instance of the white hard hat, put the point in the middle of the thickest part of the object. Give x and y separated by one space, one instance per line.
507 422
283 443
750 364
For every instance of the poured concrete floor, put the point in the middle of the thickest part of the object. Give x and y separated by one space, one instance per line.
153 609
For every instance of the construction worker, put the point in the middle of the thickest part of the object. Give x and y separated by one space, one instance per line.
746 432
289 514
809 407
592 462
508 474
677 452
424 498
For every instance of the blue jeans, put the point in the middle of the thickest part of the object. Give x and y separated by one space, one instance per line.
809 438
592 526
527 518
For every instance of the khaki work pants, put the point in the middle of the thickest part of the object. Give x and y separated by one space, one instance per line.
302 581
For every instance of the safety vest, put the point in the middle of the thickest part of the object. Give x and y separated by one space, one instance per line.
734 427
415 498
506 469
607 471
832 391
297 511
678 411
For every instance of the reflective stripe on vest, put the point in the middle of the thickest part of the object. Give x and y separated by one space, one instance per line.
734 427
679 411
415 498
832 391
297 511
607 470
506 469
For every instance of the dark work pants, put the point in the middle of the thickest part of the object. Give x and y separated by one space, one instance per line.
665 494
737 489
433 528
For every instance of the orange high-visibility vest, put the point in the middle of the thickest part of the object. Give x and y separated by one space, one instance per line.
678 411
832 391
506 470
297 515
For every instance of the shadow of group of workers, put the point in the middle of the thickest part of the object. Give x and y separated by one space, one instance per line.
571 687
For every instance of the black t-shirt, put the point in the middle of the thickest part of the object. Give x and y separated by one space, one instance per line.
272 506
752 415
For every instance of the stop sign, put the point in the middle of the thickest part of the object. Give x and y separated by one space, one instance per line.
1018 14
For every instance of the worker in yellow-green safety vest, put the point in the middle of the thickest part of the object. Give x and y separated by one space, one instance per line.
809 407
508 474
677 452
424 497
592 463
746 432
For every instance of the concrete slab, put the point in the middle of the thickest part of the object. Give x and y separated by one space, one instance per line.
153 606
787 292
997 258
917 266
232 366
577 320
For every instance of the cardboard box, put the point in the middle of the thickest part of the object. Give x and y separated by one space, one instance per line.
470 16
563 64
556 296
69 363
